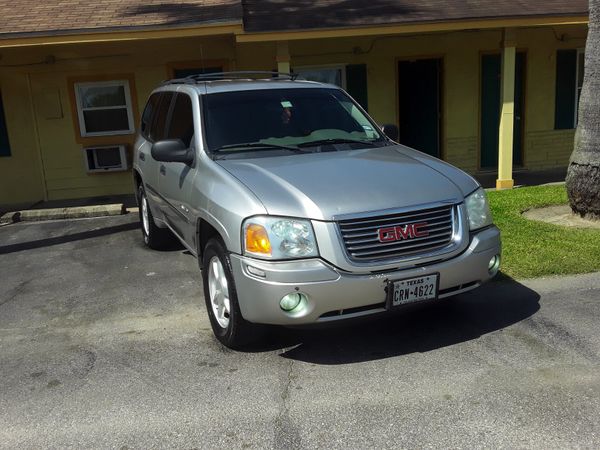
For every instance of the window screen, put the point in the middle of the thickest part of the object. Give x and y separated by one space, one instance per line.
108 157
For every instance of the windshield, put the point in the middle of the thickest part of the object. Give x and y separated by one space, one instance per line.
286 121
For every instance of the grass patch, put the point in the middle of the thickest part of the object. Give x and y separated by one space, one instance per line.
533 249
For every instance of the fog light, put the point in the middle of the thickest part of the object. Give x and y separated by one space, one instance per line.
494 265
292 301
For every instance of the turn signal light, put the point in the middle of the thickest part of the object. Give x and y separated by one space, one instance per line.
257 240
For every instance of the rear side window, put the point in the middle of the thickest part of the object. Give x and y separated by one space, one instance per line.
182 120
159 124
149 112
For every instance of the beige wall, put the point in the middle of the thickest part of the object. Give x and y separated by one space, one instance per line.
33 93
543 147
41 116
21 175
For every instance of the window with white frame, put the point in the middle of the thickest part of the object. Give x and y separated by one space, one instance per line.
104 108
335 75
579 79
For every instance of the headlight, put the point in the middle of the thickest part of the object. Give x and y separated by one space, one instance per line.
279 238
478 210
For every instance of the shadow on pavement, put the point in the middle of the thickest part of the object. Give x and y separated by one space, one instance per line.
420 328
57 240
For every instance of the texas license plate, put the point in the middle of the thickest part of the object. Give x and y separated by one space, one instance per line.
413 290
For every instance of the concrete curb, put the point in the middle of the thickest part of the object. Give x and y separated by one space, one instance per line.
79 212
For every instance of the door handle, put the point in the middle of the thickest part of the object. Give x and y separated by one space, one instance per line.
163 171
142 156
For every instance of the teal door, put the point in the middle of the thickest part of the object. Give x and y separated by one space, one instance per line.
491 106
419 92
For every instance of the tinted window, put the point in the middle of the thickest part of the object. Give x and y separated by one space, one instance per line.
149 113
283 117
4 144
182 120
157 129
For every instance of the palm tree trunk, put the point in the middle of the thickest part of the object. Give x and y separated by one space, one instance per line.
583 176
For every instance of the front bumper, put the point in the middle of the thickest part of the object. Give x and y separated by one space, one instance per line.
334 294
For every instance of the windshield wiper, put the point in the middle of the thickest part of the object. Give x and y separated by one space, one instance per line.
336 141
257 146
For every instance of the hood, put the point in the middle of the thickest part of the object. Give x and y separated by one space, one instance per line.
322 186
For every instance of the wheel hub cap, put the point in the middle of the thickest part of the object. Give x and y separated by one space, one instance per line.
219 292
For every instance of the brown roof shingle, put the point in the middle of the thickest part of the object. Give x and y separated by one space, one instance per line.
279 15
48 17
42 17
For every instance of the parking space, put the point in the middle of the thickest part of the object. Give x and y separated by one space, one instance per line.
106 344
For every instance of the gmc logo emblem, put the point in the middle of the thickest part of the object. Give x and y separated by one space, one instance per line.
400 233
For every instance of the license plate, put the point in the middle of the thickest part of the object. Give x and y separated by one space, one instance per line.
413 290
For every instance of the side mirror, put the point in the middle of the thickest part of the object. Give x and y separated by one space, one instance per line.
172 150
391 131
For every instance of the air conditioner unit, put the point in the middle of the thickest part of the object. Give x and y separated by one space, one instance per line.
110 158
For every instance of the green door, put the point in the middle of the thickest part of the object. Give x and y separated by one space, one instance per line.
419 92
491 106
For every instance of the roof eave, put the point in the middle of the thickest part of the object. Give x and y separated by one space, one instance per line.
414 27
111 34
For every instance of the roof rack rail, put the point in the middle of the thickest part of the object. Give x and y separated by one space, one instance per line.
241 75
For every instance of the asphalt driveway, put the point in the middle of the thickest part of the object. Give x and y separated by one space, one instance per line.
105 344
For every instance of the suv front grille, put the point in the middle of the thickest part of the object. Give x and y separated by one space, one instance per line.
361 236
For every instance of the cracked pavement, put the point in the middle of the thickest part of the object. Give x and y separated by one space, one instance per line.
104 344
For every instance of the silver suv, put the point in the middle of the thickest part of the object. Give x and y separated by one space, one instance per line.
298 207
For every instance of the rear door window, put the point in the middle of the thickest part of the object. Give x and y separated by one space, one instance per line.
159 124
182 120
148 114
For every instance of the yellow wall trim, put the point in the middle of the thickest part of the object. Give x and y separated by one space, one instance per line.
110 36
411 28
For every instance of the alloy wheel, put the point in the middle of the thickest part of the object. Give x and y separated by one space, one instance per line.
218 288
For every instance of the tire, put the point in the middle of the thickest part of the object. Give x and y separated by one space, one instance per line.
220 294
154 237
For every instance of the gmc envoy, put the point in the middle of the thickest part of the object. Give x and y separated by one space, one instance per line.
299 208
